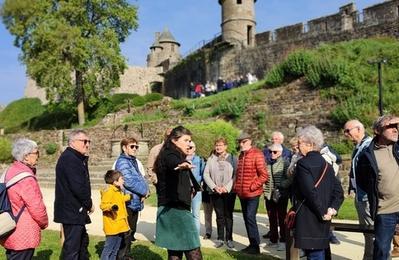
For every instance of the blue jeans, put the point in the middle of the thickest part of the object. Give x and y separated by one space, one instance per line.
384 228
195 209
111 247
315 254
249 208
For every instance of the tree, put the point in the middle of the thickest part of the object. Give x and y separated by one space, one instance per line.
71 48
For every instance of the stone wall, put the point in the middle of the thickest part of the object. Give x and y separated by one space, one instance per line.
223 60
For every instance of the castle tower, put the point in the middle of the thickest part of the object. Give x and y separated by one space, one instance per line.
164 48
238 22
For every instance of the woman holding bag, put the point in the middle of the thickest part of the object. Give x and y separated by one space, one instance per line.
318 192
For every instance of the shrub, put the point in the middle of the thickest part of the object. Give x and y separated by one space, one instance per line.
59 116
51 148
153 97
5 150
138 101
231 108
120 100
205 134
18 114
342 147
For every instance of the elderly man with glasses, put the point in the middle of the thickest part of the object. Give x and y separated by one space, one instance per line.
379 167
354 131
73 202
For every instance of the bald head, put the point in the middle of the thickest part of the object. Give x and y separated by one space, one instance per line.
354 131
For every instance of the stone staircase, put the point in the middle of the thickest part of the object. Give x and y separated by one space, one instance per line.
46 175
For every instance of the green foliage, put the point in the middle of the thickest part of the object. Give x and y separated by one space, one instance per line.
205 134
343 73
138 101
120 100
71 49
153 97
51 148
231 108
342 147
19 113
5 150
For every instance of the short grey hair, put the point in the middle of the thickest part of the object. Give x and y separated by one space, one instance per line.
276 147
279 134
379 123
22 147
313 135
356 123
72 135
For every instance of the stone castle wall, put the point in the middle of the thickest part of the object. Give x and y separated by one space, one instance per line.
221 59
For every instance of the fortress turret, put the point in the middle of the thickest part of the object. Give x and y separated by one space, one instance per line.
238 22
165 47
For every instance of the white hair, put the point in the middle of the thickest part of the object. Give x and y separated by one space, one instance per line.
22 147
312 135
72 135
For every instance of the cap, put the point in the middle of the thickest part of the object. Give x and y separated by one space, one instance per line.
243 136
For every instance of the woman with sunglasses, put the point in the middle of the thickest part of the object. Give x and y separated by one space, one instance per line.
276 192
26 201
135 184
175 228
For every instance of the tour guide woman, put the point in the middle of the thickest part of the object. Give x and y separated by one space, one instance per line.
175 228
315 205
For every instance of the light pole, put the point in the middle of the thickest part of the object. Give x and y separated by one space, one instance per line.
379 67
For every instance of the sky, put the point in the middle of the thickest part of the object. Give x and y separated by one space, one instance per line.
190 22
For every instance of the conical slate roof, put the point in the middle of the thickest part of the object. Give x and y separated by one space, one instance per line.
166 36
156 43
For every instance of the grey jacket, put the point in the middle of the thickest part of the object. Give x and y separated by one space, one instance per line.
220 172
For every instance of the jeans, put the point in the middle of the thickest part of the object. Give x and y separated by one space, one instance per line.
111 247
363 213
195 209
276 213
315 254
249 208
224 206
384 228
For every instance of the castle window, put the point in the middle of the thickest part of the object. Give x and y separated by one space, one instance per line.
239 2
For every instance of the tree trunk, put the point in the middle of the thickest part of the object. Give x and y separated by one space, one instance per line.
80 97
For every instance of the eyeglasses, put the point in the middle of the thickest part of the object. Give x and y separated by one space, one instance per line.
132 146
36 153
348 130
85 141
243 141
391 126
274 152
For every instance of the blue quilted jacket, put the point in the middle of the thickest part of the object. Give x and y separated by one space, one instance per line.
135 183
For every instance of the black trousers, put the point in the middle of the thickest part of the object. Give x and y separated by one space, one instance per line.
26 254
76 242
224 206
132 219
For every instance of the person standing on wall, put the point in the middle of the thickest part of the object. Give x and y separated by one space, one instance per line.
73 202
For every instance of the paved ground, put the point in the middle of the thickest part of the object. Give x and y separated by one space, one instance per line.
351 246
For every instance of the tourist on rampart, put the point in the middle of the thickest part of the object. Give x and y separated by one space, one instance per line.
318 195
175 228
250 177
198 171
276 192
73 202
277 138
376 174
355 132
219 176
113 206
26 202
134 184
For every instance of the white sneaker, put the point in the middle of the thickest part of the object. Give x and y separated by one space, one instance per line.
281 246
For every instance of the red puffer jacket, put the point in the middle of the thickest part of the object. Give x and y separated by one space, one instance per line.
251 174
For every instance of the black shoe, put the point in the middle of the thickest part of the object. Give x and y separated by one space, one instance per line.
252 250
267 235
334 240
207 236
133 239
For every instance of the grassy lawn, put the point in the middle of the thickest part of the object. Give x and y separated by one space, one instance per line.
50 248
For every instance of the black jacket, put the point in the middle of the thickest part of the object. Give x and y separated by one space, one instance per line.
311 231
174 186
368 180
72 189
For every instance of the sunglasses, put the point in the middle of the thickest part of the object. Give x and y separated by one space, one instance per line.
391 126
132 146
347 131
274 152
85 141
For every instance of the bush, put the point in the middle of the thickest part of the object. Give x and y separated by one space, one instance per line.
51 148
231 108
153 97
342 147
18 114
59 116
205 134
5 150
120 100
138 101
